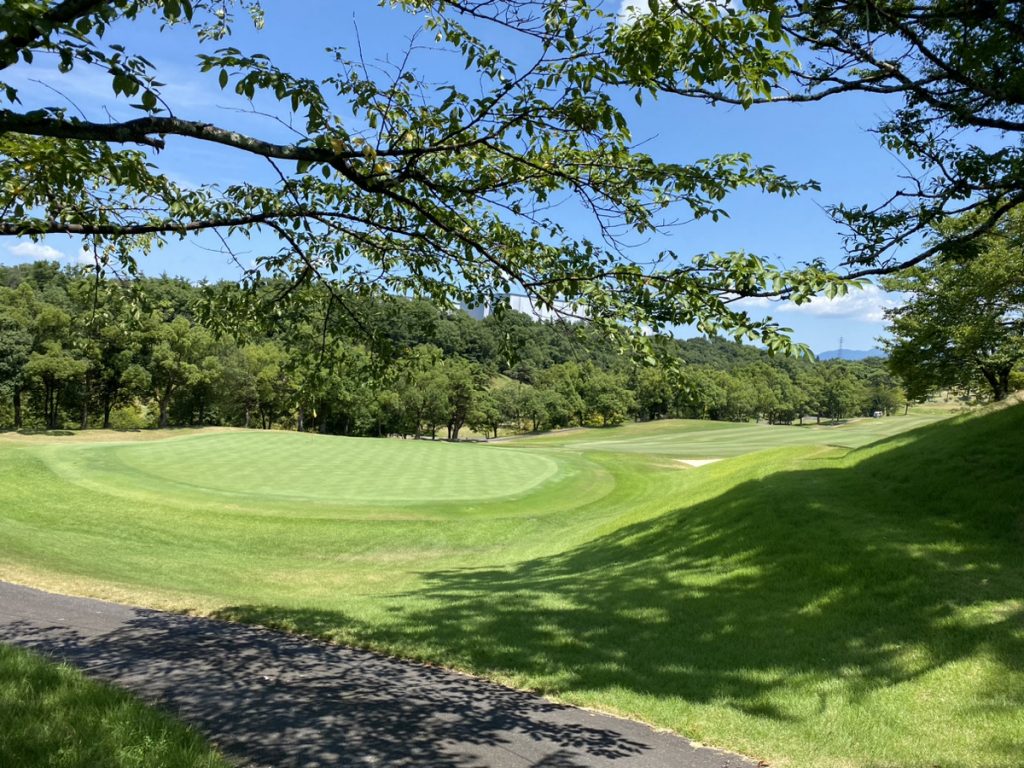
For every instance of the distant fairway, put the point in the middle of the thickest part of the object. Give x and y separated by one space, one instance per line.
808 604
718 439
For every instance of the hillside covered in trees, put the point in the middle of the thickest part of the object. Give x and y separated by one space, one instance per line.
77 352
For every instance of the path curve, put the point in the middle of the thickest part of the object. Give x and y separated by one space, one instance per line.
270 699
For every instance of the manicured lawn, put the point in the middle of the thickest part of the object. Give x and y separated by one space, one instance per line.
702 439
309 467
808 605
51 716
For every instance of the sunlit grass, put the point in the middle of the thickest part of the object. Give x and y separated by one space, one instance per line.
809 605
51 716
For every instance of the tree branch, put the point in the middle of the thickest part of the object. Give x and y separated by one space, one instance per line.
62 13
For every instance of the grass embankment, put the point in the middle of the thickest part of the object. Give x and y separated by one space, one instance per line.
811 606
51 716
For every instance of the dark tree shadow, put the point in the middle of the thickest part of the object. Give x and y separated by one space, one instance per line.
269 699
46 432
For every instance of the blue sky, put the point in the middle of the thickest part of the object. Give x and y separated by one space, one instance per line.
828 142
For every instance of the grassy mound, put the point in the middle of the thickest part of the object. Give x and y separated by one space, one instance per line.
53 717
811 606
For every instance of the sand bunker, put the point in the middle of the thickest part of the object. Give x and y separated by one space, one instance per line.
696 462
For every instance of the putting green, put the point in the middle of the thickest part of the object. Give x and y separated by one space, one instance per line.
285 465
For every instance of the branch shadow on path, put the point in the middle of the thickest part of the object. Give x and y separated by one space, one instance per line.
271 700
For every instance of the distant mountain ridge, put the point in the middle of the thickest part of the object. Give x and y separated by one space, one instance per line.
850 354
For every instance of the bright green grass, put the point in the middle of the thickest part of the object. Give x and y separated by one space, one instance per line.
315 468
51 716
702 439
811 606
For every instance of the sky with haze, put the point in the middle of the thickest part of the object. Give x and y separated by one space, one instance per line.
829 142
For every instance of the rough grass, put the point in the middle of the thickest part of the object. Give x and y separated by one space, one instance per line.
811 606
51 716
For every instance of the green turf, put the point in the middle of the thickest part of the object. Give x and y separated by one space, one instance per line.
323 469
811 606
721 439
53 717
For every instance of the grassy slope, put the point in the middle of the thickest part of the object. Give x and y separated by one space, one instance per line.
816 608
51 716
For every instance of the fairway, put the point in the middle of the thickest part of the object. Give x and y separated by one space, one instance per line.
718 439
837 596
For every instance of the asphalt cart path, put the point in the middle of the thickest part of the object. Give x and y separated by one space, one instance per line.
274 700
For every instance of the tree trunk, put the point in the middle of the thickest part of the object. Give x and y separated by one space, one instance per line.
17 408
50 408
84 424
164 417
108 406
248 416
998 381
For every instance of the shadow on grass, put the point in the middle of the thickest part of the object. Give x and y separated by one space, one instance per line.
872 574
45 432
52 716
272 700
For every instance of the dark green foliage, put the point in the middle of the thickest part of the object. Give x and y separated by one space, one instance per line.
78 351
964 322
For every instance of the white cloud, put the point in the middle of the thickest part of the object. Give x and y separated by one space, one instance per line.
865 305
629 10
88 89
30 251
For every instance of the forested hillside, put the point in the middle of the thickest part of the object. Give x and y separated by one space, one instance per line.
147 352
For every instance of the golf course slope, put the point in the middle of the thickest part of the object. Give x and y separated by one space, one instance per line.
809 604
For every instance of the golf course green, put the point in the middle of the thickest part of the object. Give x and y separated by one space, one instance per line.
847 595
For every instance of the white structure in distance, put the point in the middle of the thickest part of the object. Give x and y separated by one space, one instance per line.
520 303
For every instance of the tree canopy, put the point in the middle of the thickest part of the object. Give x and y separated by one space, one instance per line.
387 181
964 319
954 72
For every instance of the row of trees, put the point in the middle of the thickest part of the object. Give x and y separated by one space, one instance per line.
79 352
962 325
